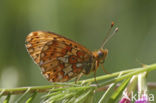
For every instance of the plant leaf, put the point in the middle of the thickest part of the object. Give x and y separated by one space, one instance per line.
119 91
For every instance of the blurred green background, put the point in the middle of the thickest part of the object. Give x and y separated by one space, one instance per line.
84 21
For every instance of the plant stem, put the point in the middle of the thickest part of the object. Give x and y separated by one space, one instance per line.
115 80
22 90
40 89
46 88
108 76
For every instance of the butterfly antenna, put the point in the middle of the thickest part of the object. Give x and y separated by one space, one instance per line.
109 34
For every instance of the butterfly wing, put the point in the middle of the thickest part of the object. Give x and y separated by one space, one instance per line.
35 42
61 59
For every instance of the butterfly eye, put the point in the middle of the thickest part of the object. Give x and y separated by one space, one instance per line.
101 57
100 54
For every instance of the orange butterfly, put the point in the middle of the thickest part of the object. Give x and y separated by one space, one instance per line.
62 59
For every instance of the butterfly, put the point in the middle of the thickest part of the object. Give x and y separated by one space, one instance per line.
62 59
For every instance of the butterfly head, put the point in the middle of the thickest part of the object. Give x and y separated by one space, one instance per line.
100 55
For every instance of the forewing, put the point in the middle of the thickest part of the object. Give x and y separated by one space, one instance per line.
35 42
62 59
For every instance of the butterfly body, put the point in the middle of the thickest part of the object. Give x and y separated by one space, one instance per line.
60 58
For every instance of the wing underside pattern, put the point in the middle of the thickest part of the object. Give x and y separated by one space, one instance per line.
60 59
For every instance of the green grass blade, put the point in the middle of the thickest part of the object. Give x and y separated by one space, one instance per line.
7 99
31 98
119 91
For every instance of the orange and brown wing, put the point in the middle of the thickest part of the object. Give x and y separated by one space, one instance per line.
35 42
61 59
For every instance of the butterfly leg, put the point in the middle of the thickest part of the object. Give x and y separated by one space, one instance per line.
78 78
95 77
104 69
